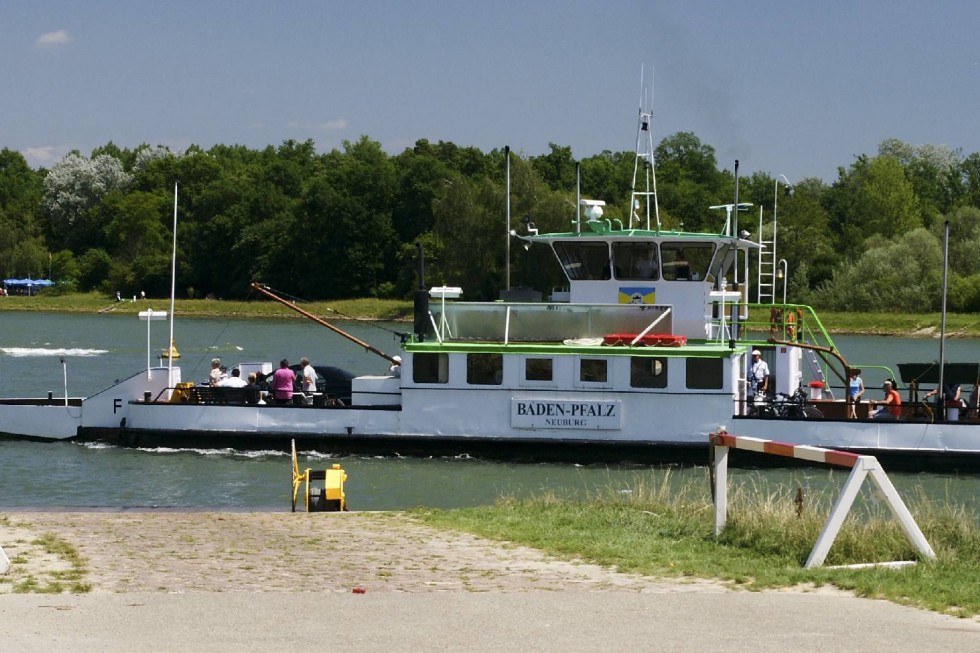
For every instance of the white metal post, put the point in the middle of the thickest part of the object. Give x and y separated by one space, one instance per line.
901 512
721 488
837 515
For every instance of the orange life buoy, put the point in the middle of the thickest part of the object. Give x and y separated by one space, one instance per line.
790 325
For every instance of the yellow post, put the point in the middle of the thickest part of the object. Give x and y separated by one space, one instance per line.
333 486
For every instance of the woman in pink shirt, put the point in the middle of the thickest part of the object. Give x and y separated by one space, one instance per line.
282 383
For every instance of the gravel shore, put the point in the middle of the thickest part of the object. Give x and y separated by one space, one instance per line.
382 581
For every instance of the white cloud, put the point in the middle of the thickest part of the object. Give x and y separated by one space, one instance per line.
340 123
44 156
329 126
54 39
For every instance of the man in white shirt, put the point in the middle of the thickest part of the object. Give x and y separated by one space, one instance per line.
233 381
309 379
758 380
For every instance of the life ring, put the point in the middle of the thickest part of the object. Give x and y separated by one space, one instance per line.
790 325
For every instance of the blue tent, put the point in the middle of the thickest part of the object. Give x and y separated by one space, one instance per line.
19 286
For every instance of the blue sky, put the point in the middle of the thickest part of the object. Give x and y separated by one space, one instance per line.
787 87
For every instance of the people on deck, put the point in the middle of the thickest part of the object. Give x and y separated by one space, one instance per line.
951 394
282 383
758 380
235 380
255 389
891 407
309 379
214 376
855 389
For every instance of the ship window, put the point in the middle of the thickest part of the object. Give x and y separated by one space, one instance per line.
593 370
538 369
484 369
648 372
705 373
584 260
430 368
636 261
686 261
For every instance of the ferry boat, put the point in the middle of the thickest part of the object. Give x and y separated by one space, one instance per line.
644 355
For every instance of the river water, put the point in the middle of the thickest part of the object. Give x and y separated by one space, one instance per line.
98 349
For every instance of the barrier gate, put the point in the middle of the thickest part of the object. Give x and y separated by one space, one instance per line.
861 467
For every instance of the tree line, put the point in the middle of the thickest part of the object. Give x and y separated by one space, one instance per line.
347 223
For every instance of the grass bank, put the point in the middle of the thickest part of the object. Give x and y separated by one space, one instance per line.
375 309
899 324
653 528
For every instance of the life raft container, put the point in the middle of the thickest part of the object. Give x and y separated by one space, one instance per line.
649 340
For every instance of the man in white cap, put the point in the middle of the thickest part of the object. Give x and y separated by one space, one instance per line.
758 380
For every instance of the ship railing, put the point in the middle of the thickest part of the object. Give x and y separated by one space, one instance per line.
794 324
546 322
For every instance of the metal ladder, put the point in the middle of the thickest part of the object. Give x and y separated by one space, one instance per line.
816 370
766 282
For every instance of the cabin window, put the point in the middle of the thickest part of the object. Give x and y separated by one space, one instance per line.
686 261
636 261
705 373
584 260
593 370
648 372
430 368
484 369
538 369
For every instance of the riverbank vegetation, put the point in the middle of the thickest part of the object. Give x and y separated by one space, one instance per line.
652 527
366 308
346 223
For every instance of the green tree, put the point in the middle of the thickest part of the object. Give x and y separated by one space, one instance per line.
557 168
932 170
688 182
420 173
903 274
72 189
872 198
22 245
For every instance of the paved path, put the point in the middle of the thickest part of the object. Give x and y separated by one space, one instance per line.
272 581
464 621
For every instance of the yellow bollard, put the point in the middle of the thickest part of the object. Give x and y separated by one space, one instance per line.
329 498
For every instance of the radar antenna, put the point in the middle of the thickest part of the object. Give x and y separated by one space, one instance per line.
644 159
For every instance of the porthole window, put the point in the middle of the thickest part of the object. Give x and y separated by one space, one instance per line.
430 368
539 369
646 372
484 369
705 373
593 370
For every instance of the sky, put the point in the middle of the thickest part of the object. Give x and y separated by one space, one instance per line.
788 88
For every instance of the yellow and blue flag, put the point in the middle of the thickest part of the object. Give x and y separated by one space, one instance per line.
638 295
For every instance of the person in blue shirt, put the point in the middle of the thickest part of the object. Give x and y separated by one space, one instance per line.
855 389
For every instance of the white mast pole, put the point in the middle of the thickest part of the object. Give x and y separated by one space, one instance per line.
507 235
173 286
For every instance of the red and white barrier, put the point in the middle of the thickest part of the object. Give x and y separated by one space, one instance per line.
861 466
798 451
